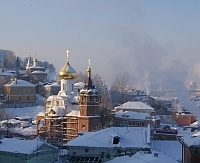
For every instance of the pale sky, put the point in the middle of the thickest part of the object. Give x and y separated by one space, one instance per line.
152 40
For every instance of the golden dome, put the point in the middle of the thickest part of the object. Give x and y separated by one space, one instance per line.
67 72
35 60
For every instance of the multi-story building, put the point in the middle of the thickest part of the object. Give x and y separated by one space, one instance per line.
3 53
20 91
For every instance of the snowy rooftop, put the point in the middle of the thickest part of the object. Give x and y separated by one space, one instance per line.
142 157
131 137
38 72
19 146
187 131
7 74
193 140
27 111
79 84
135 105
20 83
131 115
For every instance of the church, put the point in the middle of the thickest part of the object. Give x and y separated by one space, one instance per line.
69 113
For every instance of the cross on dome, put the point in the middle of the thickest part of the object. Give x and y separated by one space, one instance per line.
67 52
89 62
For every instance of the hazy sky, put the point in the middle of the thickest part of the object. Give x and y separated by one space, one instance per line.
153 40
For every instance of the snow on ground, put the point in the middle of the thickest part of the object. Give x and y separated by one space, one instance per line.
27 111
170 148
141 157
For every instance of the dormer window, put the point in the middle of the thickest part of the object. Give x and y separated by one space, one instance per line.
116 139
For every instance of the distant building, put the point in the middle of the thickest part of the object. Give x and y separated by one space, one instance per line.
135 119
184 118
36 73
51 89
19 91
193 86
3 54
136 107
26 151
105 145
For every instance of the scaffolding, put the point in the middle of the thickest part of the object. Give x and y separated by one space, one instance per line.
59 130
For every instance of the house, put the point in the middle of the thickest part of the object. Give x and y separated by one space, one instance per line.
51 89
20 91
105 145
191 148
135 119
26 151
136 106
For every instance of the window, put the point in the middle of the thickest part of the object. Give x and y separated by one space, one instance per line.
83 126
19 98
116 140
28 98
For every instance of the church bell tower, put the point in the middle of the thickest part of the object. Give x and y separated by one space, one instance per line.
89 119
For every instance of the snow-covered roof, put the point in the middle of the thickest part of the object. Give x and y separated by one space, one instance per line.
142 157
132 115
7 74
135 105
38 72
193 140
65 106
187 131
12 121
129 137
19 146
79 85
22 71
20 83
169 147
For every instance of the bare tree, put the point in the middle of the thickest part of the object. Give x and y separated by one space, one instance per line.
118 87
81 77
105 106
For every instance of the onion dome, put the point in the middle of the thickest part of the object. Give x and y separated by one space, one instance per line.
67 72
